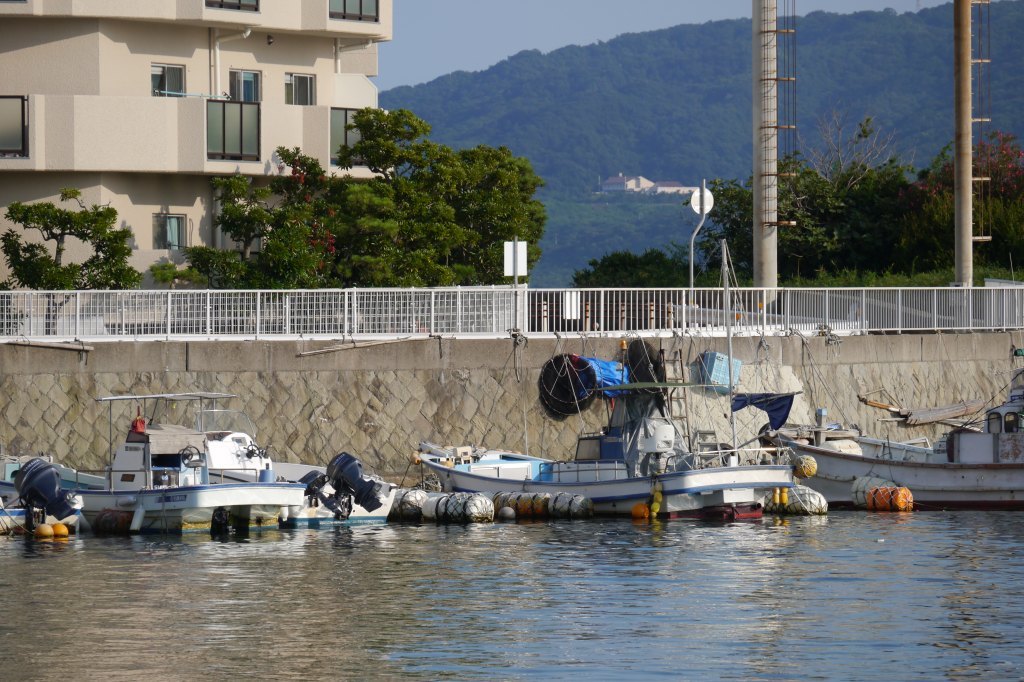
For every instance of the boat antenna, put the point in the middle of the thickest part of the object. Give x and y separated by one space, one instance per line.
727 310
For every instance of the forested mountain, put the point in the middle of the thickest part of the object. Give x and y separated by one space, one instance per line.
675 104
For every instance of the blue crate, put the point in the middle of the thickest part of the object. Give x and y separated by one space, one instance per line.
713 371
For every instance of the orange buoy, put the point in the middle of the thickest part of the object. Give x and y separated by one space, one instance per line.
60 530
641 511
890 498
44 531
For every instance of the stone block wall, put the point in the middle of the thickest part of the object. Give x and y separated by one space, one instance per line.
378 400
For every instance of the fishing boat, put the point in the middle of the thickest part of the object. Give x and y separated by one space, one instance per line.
968 468
643 462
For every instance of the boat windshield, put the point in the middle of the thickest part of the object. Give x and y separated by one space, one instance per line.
225 420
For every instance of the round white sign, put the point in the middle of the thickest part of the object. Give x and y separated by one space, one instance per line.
709 201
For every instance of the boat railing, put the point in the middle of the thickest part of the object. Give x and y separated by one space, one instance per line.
709 459
582 471
492 312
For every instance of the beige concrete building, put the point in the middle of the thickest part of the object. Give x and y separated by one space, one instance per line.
139 103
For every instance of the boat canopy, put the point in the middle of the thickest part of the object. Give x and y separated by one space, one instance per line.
776 405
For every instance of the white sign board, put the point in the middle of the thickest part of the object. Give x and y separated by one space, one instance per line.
709 201
515 259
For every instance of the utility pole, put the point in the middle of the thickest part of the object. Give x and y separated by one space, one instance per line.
963 187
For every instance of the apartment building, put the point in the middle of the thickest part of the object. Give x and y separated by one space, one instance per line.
139 103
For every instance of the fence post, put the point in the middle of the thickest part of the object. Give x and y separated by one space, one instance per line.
168 330
259 312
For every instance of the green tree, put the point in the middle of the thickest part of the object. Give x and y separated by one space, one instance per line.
429 216
32 265
653 268
928 230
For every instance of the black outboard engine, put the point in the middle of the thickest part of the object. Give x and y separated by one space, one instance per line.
38 484
345 474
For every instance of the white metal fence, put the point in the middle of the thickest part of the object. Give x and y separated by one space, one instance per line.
493 312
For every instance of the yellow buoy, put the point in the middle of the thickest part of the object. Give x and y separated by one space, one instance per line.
60 530
783 496
805 466
641 511
775 496
44 530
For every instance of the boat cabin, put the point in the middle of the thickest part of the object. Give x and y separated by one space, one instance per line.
159 456
1002 441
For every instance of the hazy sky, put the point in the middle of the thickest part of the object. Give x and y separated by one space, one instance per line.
435 37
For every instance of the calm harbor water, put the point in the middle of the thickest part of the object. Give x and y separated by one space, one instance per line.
857 596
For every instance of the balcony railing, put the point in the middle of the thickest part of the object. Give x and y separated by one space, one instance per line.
355 10
13 126
247 5
233 130
493 312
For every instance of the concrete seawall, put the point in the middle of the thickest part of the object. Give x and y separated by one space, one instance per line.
377 401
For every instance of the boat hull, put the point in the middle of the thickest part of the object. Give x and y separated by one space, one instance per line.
185 509
934 485
15 521
727 493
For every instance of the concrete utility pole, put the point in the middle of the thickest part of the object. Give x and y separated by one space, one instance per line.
766 143
963 187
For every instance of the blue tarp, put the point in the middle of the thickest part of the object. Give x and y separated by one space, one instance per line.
777 405
606 373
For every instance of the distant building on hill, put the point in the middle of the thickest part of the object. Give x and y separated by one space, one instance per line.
640 184
626 183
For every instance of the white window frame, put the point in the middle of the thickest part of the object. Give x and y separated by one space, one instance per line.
290 91
236 88
163 68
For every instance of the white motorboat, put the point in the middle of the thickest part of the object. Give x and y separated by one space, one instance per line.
164 477
966 469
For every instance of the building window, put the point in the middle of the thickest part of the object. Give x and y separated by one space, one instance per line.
355 10
232 130
13 126
341 134
299 89
249 5
167 80
169 231
245 86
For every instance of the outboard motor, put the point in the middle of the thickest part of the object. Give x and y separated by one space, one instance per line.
38 484
345 475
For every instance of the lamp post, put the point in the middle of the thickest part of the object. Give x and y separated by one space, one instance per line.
701 202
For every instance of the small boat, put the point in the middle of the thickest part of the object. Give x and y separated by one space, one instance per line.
966 469
160 478
638 466
169 478
644 462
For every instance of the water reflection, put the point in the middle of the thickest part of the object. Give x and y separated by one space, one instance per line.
924 596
